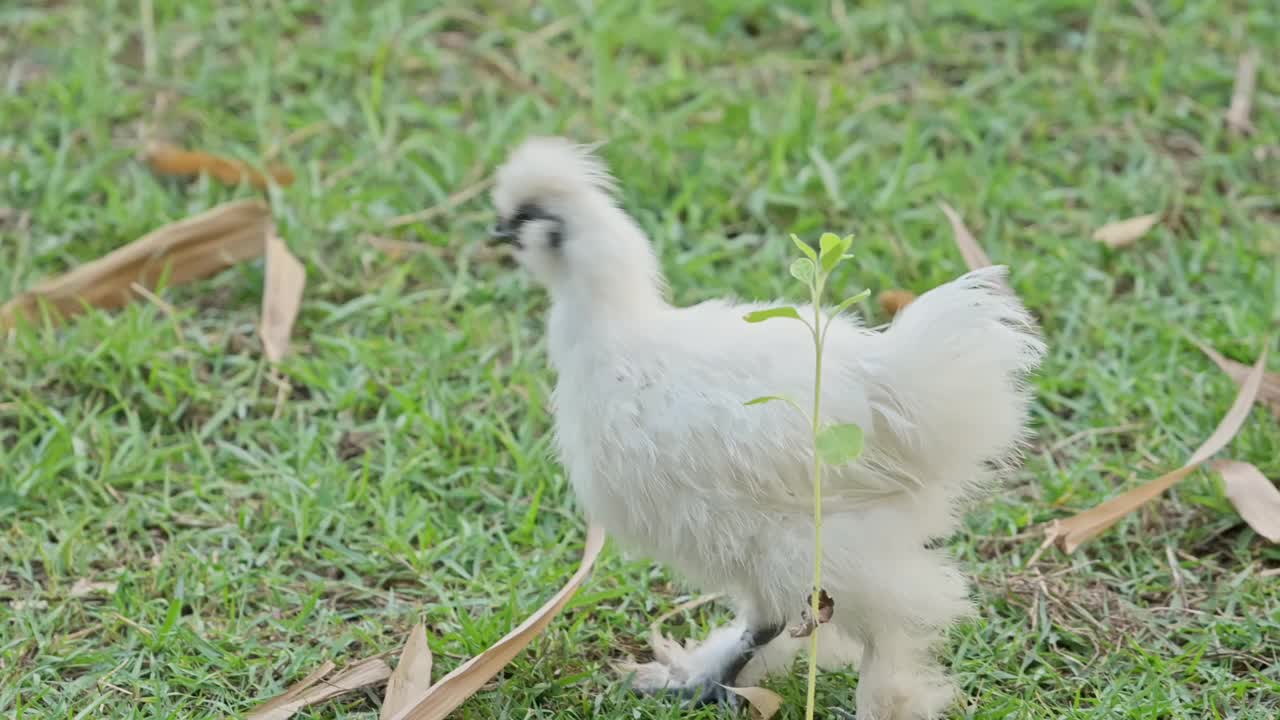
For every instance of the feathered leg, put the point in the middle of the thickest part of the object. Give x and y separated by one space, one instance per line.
699 673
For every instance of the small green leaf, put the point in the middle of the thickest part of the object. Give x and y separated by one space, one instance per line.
833 249
802 270
778 312
780 398
855 299
804 248
839 444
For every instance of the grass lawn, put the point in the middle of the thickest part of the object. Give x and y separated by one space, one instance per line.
407 474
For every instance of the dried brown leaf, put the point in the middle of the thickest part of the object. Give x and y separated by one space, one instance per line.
411 679
1268 392
84 588
354 443
807 624
764 703
281 298
397 249
804 628
1253 496
369 671
1242 93
826 606
892 301
1073 532
190 249
454 688
166 159
974 256
271 708
1123 233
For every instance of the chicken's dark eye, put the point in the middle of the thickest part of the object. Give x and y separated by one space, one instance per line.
528 212
523 215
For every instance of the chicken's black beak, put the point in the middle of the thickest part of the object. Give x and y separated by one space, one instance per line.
503 234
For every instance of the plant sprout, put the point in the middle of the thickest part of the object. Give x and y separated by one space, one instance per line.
833 444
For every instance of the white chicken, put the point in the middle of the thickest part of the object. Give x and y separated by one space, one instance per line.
661 450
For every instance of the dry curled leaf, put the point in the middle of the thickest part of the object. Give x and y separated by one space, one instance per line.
1123 233
354 443
1253 496
974 256
1073 532
826 608
281 298
1268 392
804 628
892 301
273 708
1242 93
454 688
764 703
397 249
84 588
310 690
166 159
187 250
412 677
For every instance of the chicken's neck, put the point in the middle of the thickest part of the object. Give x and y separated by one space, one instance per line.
592 322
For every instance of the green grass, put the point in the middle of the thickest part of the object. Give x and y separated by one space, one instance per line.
408 475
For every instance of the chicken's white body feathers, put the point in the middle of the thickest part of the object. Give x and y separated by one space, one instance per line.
652 427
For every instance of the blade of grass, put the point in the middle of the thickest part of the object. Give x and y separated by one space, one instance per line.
450 203
656 625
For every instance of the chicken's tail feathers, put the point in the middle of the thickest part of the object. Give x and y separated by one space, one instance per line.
953 369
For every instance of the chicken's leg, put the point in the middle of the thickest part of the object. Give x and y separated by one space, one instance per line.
700 674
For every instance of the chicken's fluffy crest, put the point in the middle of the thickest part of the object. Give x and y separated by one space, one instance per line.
551 166
586 249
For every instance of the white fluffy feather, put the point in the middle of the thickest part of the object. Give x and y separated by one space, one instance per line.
660 449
